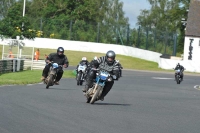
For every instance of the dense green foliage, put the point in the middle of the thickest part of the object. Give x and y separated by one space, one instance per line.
165 17
96 21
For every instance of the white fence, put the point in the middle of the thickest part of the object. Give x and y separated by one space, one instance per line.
103 48
191 66
29 64
93 47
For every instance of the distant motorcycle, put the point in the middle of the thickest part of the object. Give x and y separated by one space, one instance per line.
178 76
94 93
120 71
80 77
49 81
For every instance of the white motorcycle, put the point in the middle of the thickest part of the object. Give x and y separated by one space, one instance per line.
80 77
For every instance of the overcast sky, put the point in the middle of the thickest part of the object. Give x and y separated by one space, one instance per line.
132 9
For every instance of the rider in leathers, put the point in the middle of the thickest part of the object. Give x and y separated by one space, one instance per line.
178 66
59 58
84 61
107 63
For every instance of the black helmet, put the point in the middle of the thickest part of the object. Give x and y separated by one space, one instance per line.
60 50
178 65
110 54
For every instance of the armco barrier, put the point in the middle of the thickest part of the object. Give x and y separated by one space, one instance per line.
11 65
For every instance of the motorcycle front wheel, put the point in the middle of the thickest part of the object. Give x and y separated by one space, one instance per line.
79 78
177 80
49 81
96 94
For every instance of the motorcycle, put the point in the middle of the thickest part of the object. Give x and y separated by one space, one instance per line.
120 71
94 93
49 81
81 74
178 76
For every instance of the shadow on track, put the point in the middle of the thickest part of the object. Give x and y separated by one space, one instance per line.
117 104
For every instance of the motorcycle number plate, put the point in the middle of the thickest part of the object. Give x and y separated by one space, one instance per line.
55 65
81 67
104 75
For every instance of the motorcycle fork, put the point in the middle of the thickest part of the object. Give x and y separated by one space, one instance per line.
95 88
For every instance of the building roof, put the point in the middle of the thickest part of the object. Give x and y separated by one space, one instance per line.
193 21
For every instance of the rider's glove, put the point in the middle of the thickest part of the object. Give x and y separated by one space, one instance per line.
114 77
109 79
65 65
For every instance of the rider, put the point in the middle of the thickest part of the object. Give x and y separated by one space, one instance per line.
92 63
120 68
178 66
107 63
83 61
59 58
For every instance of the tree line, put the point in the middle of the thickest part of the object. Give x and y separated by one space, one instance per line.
92 20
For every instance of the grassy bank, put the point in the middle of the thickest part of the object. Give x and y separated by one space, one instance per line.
27 77
75 56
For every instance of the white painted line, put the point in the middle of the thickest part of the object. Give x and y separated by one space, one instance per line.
6 85
197 87
29 84
161 78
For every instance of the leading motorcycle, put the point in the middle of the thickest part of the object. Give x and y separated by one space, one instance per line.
94 93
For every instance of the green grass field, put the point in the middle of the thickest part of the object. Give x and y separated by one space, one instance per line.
27 77
75 56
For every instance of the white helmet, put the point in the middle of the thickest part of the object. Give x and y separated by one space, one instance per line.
95 58
84 58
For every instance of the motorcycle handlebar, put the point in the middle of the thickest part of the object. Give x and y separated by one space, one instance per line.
113 76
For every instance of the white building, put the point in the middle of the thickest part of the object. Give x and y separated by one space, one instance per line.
192 34
192 37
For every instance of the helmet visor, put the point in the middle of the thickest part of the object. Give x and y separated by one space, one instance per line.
60 52
110 59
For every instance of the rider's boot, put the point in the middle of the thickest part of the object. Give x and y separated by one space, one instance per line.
87 86
56 82
42 78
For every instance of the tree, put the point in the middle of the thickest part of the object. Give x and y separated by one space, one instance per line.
14 24
165 17
4 6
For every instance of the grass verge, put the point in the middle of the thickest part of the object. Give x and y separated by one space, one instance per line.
27 77
30 77
74 58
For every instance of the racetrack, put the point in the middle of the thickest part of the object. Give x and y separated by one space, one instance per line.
140 102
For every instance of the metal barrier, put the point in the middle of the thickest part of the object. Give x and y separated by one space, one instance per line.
11 65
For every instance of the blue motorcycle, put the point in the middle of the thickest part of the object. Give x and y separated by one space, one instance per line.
94 93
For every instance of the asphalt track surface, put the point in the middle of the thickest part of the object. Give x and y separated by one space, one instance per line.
140 102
